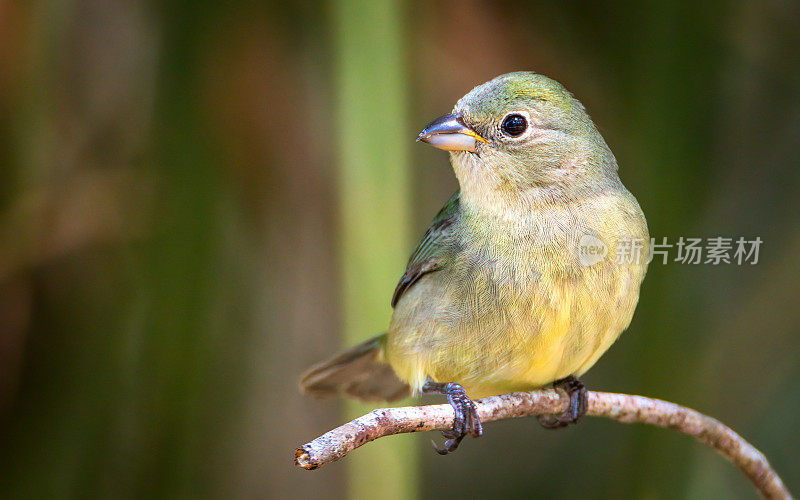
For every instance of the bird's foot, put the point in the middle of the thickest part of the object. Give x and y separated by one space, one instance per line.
578 404
466 419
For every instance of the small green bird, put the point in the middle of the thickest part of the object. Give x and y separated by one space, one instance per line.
524 278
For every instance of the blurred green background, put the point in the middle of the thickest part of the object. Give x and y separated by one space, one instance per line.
200 199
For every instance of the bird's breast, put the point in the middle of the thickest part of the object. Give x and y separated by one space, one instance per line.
514 308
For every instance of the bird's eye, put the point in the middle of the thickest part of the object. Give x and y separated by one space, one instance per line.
514 125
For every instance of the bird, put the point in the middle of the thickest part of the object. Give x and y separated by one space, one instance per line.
525 277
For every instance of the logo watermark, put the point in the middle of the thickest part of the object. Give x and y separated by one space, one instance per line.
714 251
591 250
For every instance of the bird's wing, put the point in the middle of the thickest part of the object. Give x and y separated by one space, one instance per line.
427 257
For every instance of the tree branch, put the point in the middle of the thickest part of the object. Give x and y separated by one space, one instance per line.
621 407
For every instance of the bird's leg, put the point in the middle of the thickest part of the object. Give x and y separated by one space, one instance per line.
466 420
578 404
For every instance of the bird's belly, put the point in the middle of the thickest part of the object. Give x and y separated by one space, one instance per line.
494 337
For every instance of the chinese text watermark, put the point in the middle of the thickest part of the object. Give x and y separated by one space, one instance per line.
714 251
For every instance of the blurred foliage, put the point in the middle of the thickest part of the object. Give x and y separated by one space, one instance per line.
175 207
373 187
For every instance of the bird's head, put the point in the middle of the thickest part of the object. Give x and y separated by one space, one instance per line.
520 132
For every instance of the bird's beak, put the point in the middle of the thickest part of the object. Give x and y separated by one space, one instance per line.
451 134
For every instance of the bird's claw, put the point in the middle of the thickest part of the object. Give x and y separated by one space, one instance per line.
449 446
465 421
578 404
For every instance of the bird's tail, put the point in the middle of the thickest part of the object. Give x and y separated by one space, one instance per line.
357 373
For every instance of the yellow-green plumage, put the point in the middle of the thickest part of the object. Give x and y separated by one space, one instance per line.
496 297
511 309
